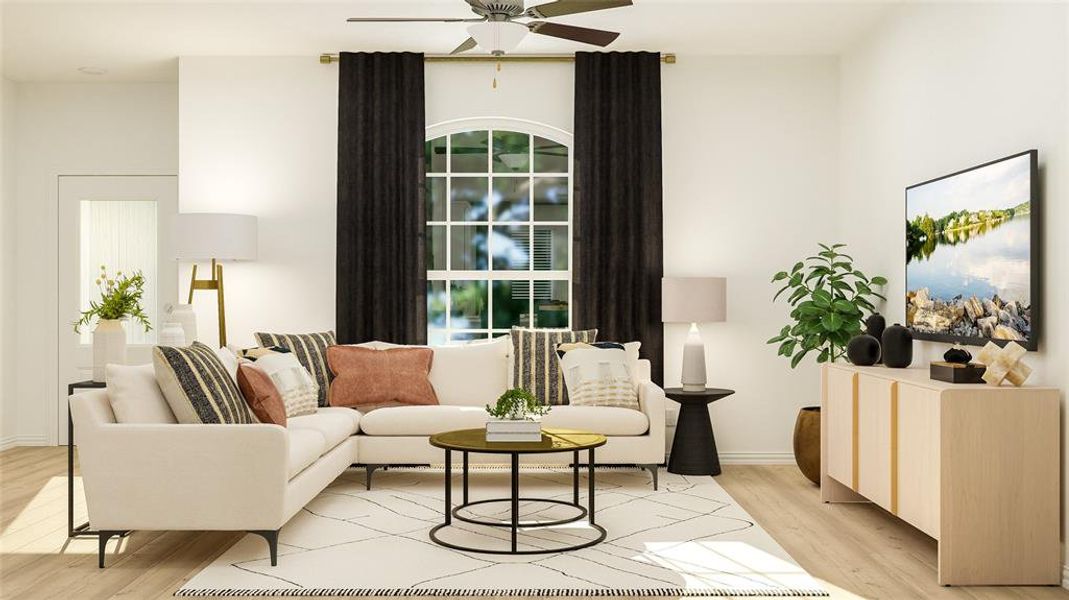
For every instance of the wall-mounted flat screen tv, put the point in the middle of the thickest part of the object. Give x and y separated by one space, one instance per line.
972 254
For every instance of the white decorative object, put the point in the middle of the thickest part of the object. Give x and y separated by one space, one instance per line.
513 430
109 346
1004 364
498 37
693 300
183 315
172 334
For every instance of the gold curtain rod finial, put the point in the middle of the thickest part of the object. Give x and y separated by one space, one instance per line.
326 59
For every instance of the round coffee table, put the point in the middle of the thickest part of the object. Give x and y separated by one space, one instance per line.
553 441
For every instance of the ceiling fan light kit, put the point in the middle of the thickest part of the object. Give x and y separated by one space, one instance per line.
497 37
498 31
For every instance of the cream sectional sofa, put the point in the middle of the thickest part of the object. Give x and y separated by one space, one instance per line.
255 477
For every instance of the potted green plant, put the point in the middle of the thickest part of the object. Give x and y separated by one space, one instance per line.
120 298
829 301
515 417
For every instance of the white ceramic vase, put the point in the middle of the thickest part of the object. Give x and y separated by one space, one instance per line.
172 334
109 346
183 315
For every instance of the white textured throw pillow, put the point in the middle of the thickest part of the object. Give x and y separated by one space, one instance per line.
135 396
300 393
600 377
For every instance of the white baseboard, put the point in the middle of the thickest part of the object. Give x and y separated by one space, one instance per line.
757 458
13 441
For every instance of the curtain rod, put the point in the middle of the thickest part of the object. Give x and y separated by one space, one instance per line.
326 59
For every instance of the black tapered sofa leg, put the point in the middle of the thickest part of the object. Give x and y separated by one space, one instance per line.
271 535
653 471
102 539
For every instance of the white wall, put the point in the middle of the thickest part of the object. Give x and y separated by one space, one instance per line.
8 415
258 135
938 88
70 129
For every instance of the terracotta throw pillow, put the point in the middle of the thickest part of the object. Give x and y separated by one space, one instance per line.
366 379
261 395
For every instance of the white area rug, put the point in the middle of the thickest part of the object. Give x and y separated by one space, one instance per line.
688 539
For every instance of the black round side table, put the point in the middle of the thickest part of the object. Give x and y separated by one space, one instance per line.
694 447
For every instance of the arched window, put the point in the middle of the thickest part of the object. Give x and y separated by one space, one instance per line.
499 216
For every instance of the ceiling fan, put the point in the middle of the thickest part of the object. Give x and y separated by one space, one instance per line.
498 29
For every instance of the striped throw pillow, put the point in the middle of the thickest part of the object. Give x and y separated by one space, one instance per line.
197 386
598 375
534 361
310 350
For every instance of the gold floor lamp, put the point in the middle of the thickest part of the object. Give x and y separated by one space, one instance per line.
216 237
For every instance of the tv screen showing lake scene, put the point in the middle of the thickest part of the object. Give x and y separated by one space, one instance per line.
969 254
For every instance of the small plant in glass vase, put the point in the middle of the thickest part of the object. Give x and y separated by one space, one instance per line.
120 299
829 300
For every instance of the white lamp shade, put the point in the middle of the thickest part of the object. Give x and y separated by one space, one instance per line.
203 236
693 299
498 37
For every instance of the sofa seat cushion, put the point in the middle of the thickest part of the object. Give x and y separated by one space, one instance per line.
333 423
306 445
606 420
421 420
428 420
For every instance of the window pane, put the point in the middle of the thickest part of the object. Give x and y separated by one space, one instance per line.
511 247
551 303
549 156
467 336
512 198
437 337
551 199
436 304
469 248
511 152
436 247
511 304
468 305
120 235
436 198
469 198
550 248
470 153
435 155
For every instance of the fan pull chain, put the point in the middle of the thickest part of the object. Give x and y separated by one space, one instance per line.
494 85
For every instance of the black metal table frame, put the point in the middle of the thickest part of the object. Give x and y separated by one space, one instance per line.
514 523
83 530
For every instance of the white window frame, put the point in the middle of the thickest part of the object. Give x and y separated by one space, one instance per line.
490 124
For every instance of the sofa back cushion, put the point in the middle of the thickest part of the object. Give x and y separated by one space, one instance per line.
261 395
198 387
366 379
472 374
135 396
310 350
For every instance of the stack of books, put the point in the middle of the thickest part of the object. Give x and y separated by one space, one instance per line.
502 430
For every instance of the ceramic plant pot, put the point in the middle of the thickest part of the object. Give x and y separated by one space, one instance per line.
807 443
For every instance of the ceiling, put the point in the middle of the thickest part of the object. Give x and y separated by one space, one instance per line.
139 41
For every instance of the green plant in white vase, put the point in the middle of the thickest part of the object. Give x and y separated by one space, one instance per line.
120 298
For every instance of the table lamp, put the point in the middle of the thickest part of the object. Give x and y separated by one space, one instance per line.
693 300
216 237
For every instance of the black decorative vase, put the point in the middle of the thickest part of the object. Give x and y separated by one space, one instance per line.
897 347
874 326
863 350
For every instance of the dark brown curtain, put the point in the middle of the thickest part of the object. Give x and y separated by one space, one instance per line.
617 229
381 271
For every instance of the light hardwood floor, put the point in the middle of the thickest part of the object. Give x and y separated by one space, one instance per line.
854 550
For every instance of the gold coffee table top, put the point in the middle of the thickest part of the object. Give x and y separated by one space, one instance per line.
553 440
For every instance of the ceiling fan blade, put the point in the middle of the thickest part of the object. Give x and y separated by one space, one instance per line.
597 37
571 7
410 20
466 45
